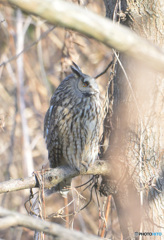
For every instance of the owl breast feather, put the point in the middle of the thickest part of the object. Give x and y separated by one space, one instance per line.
79 133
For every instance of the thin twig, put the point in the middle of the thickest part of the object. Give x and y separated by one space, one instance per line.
106 69
89 199
42 36
66 211
27 160
13 219
84 183
106 216
41 62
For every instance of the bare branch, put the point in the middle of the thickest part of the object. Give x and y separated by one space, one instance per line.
27 153
53 177
27 48
93 25
9 219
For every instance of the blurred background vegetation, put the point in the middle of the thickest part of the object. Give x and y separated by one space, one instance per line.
34 58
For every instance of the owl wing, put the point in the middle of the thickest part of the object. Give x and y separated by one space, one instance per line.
51 134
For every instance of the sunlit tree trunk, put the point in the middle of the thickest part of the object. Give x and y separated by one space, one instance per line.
136 145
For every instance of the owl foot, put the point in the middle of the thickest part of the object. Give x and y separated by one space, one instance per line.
77 169
84 167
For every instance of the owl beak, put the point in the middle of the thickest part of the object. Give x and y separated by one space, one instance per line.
95 87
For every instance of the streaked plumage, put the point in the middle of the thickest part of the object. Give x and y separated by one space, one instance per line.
72 122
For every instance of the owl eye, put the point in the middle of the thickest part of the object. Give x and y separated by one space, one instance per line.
85 84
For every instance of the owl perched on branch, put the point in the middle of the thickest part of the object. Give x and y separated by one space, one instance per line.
72 123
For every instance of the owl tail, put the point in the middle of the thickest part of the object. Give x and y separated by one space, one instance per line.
63 187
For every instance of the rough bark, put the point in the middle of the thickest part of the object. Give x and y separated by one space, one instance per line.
149 132
136 142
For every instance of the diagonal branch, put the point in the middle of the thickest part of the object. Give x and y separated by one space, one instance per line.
104 30
10 219
53 176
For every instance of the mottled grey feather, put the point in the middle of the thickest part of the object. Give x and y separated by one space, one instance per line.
72 123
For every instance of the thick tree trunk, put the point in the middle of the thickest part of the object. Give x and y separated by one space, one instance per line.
136 142
149 89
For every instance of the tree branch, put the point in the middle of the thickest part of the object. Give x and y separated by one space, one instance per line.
10 219
113 35
53 176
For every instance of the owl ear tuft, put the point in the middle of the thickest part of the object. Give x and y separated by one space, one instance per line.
76 69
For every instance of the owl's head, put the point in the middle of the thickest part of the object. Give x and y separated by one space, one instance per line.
85 84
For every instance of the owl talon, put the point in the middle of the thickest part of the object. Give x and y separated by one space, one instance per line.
84 167
78 170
